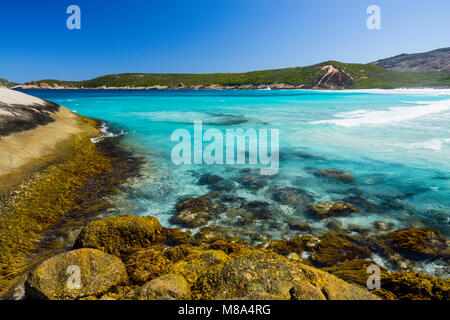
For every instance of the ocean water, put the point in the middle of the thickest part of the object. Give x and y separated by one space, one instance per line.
396 144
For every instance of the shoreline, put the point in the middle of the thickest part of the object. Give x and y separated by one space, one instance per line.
84 198
275 87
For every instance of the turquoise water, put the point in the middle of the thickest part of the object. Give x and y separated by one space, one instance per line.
395 143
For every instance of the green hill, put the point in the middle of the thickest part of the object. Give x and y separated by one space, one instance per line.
329 74
7 83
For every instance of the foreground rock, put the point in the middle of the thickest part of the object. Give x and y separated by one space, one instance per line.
261 275
168 287
327 209
168 264
56 278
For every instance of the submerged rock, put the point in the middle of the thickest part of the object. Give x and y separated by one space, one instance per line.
116 234
327 209
56 278
419 243
216 182
167 287
260 209
253 182
294 197
194 212
336 174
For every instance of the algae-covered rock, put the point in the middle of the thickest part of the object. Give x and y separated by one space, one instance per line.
336 174
419 242
168 287
416 286
327 209
147 264
263 274
193 212
334 248
116 234
304 290
74 275
197 264
348 292
354 271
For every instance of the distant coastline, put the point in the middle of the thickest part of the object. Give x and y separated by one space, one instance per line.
332 75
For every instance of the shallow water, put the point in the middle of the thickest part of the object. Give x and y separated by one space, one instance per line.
396 143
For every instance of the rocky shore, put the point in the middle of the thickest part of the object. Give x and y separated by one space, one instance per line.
53 179
130 257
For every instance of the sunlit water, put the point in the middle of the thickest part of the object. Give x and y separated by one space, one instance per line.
395 143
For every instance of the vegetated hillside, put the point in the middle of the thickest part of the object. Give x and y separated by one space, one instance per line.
432 61
7 83
329 74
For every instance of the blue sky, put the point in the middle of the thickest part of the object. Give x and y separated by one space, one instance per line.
199 36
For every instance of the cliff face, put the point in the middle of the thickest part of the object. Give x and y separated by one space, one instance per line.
432 61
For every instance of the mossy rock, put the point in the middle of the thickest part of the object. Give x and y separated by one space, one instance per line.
419 243
56 278
230 248
116 234
334 248
328 209
297 244
268 275
354 271
167 287
416 286
180 252
147 264
197 264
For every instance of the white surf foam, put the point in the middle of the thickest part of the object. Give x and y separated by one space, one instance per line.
383 117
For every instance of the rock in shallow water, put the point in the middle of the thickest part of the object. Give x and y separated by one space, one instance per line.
296 198
336 174
327 209
419 243
194 212
57 277
116 234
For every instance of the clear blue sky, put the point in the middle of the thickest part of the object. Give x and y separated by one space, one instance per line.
208 36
